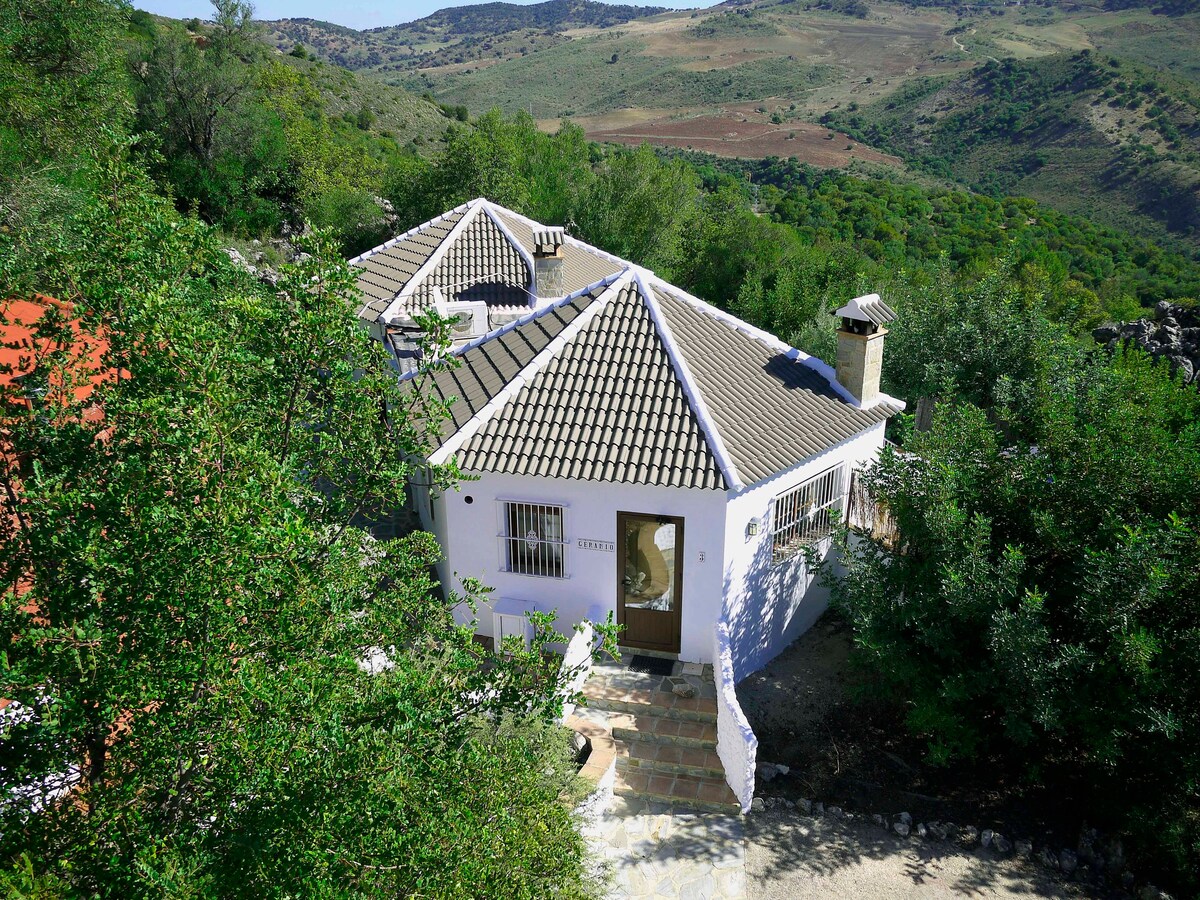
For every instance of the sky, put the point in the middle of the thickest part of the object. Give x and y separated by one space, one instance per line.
363 14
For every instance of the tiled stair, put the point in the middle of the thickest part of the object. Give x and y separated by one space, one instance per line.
666 745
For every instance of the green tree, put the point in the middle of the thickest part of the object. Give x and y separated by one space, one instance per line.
191 598
1040 598
986 341
641 209
62 84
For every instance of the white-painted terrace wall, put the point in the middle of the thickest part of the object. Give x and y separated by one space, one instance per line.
767 605
469 535
576 667
736 744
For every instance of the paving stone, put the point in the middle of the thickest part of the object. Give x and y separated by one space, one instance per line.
655 848
703 889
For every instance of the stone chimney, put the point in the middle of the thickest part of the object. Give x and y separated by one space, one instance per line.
860 346
548 263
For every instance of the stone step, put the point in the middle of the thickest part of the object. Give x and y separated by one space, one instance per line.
637 651
668 759
649 702
677 790
662 730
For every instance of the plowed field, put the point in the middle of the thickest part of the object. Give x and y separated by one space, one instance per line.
735 137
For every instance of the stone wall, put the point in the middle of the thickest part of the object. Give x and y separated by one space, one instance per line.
1173 334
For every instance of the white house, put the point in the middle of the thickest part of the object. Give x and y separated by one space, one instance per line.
635 450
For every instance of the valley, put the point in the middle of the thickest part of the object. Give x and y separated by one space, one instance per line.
882 83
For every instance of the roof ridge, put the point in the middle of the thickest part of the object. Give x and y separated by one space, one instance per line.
691 389
568 237
526 257
434 258
388 244
819 366
469 428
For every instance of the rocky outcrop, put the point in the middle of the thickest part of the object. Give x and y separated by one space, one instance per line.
1173 334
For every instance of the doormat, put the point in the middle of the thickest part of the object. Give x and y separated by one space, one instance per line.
651 665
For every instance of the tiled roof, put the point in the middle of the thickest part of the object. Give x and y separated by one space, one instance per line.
488 366
606 407
634 381
583 264
477 251
626 379
482 264
771 410
384 271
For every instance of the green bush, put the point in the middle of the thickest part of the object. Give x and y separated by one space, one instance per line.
1042 594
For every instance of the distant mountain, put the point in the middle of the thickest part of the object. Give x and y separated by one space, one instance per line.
458 34
494 18
1088 134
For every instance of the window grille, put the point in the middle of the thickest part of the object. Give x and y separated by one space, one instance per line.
532 542
804 515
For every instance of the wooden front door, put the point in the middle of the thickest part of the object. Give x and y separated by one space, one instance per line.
649 580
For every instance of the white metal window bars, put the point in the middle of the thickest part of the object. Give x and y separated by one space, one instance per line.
533 542
804 515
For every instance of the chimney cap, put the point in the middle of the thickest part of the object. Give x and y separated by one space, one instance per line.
546 241
868 308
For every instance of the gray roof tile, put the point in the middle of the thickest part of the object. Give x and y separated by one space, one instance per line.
482 264
382 273
611 403
606 407
771 411
582 265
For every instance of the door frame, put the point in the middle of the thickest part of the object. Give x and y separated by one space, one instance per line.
677 612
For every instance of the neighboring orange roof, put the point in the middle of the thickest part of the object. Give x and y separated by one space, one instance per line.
22 347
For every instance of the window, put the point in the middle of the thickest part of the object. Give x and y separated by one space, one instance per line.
533 541
804 515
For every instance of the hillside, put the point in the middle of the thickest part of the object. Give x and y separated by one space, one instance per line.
257 141
988 95
1084 133
393 111
455 35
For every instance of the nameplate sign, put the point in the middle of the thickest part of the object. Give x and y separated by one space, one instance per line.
602 546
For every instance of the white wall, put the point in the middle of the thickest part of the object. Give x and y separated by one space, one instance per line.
767 606
736 744
470 537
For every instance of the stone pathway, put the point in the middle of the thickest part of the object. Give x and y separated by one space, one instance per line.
655 850
665 741
674 830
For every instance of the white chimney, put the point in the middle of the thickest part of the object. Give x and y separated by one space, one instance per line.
860 346
548 263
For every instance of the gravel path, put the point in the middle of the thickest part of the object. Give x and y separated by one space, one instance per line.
790 856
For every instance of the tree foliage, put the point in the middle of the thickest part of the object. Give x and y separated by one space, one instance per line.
223 685
1042 596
